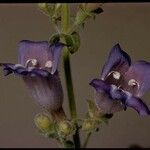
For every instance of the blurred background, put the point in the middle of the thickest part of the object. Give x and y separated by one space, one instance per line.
126 23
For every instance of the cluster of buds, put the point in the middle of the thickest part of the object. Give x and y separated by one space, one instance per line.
60 130
87 10
94 118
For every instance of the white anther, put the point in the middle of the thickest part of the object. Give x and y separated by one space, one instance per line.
132 82
34 62
116 74
48 64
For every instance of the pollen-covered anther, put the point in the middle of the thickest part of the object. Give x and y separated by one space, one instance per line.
132 82
48 64
32 62
115 74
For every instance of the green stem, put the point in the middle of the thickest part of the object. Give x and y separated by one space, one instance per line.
86 140
68 77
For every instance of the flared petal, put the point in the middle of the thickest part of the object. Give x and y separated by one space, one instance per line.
118 60
137 78
103 97
7 68
110 99
21 70
137 104
47 91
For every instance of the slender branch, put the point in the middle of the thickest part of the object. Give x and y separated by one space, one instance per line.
68 77
86 140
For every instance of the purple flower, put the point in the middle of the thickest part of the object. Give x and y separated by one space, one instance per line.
37 65
122 83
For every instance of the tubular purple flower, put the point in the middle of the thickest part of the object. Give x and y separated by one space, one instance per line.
37 65
122 83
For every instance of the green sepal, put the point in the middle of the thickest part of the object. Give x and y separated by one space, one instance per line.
55 38
51 10
47 9
72 41
81 16
92 109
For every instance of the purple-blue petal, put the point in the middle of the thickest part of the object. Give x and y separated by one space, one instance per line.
118 60
99 84
140 72
111 99
47 91
38 50
21 70
7 71
40 72
137 104
56 50
8 68
104 97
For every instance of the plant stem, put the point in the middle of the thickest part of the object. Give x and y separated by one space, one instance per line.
86 140
68 77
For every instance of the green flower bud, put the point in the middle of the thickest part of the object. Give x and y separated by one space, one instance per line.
43 122
47 9
87 10
81 16
90 125
65 128
42 5
45 125
94 7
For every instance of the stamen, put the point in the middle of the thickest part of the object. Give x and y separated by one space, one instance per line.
116 74
48 64
133 82
33 62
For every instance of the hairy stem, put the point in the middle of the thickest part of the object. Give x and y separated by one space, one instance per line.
68 77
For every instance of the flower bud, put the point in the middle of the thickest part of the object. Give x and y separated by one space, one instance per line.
47 8
42 6
90 125
94 7
65 128
43 122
